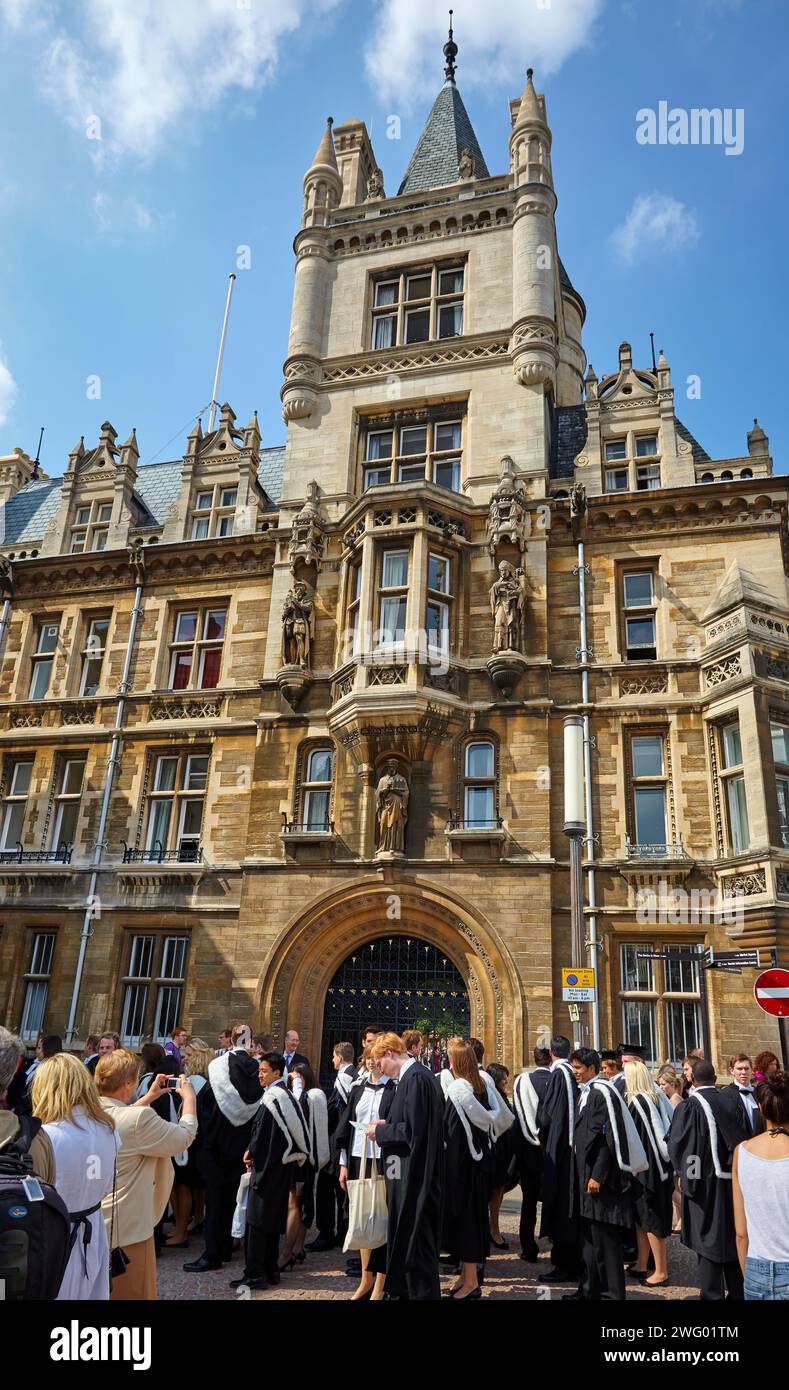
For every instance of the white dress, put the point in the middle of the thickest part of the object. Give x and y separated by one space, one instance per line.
84 1165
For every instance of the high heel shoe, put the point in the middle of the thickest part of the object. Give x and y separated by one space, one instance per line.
287 1266
499 1244
300 1258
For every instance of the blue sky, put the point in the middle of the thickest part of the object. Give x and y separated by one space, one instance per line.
116 251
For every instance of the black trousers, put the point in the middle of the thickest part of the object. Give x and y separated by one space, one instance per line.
716 1278
603 1274
220 1203
261 1252
331 1207
530 1179
566 1258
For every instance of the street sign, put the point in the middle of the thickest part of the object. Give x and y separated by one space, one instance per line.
771 991
578 986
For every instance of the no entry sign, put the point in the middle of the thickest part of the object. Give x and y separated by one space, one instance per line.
772 992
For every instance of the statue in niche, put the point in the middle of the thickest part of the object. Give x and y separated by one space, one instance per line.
298 625
375 185
508 605
466 165
391 801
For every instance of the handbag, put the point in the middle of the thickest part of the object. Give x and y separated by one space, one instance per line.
367 1214
119 1260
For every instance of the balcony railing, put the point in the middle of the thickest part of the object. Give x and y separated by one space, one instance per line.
297 827
61 855
190 853
458 823
674 849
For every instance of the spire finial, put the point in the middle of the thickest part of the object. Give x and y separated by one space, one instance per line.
450 52
529 74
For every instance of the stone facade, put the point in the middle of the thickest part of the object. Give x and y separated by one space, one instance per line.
400 584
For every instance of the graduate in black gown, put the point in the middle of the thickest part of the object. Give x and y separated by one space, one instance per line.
279 1139
652 1115
556 1125
469 1121
226 1109
528 1093
608 1156
331 1216
505 1166
741 1098
412 1142
311 1099
701 1142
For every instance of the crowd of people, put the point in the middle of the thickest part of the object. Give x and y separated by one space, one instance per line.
404 1163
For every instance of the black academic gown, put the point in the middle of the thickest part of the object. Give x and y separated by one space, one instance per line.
412 1144
267 1207
467 1184
707 1208
595 1157
654 1204
559 1203
344 1133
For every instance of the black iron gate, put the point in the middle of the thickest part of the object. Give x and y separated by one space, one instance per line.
396 982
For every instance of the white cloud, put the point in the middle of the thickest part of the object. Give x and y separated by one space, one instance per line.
142 66
655 222
498 40
8 389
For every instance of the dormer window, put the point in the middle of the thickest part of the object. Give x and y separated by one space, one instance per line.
91 527
214 512
632 464
417 305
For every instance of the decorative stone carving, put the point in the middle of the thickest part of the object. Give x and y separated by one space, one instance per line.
136 552
181 709
360 367
298 626
375 186
773 667
26 719
782 883
577 501
307 532
724 670
508 518
533 351
387 675
83 713
747 885
391 800
644 685
6 577
508 605
466 164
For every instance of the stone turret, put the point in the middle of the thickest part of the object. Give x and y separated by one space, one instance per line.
533 344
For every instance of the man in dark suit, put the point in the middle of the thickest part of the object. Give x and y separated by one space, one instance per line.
290 1051
739 1096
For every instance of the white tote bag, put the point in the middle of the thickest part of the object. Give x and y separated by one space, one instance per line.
367 1217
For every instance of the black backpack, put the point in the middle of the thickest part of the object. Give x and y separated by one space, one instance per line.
34 1235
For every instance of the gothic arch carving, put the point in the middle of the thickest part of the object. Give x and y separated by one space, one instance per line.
308 952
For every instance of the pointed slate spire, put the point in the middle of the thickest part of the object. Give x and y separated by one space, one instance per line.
447 134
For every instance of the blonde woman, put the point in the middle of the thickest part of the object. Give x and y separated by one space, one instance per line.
651 1114
188 1196
85 1142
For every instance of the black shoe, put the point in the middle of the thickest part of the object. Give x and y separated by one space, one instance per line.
574 1297
467 1297
273 1277
320 1243
258 1282
558 1276
499 1244
200 1266
530 1256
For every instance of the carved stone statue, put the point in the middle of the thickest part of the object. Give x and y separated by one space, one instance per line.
306 537
508 518
375 185
136 555
466 164
577 500
391 801
298 626
508 605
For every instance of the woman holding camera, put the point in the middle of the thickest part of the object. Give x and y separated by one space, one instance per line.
144 1171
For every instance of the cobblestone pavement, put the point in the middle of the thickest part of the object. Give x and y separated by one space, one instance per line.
322 1276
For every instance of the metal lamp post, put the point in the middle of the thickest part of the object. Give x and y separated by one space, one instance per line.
575 830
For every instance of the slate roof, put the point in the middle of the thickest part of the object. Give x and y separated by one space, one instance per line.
25 517
700 454
448 132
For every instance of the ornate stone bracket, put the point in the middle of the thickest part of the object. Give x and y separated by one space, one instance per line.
508 518
533 351
307 538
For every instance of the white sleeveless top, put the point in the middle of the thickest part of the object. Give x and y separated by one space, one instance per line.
765 1190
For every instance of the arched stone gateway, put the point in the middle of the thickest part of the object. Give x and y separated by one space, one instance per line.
307 955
